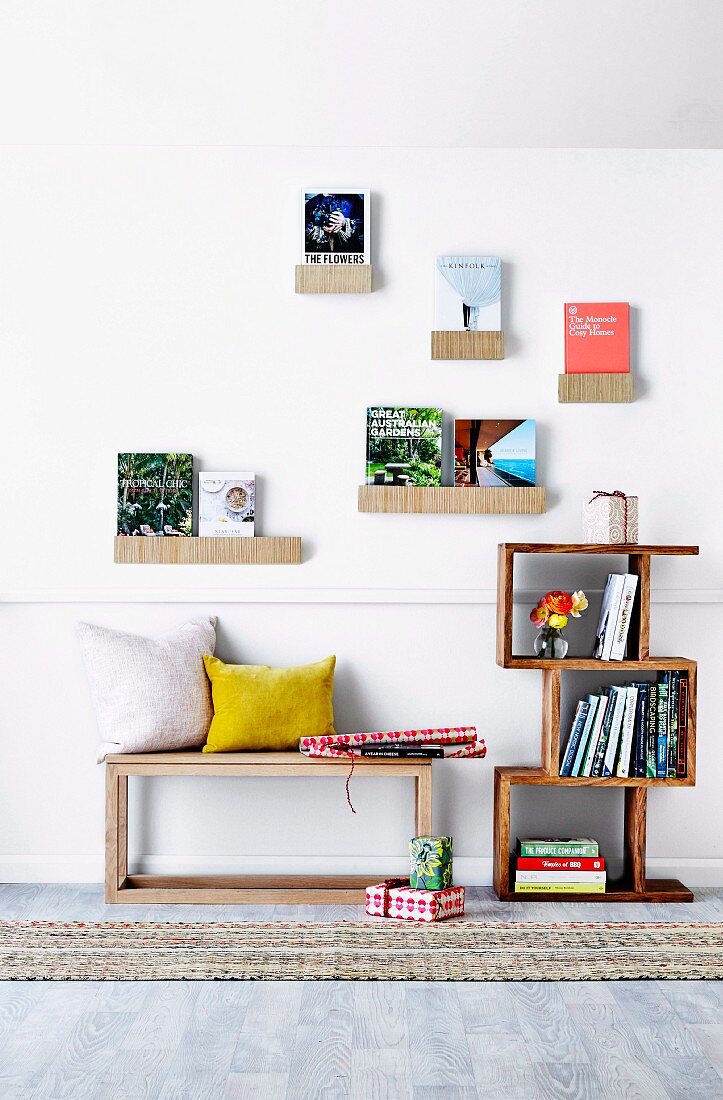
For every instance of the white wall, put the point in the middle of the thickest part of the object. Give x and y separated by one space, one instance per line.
147 304
150 163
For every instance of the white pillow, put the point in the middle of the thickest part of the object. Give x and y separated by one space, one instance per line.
150 694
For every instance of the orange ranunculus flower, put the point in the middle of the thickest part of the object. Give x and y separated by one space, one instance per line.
539 614
559 603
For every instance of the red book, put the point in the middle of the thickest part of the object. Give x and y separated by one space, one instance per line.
555 863
597 338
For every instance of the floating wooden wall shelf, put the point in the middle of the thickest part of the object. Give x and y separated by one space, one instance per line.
634 885
452 500
256 550
333 278
599 388
462 344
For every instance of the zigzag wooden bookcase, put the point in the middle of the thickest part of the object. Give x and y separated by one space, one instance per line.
634 886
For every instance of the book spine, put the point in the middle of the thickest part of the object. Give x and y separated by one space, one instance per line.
641 731
560 876
594 702
603 707
433 753
681 769
597 764
625 760
652 732
661 757
589 849
573 742
674 692
552 863
622 620
615 580
559 887
616 732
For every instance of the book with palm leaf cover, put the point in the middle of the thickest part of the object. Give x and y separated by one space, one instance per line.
155 494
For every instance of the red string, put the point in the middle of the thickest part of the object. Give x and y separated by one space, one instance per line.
352 757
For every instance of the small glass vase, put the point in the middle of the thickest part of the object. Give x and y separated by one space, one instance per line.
550 644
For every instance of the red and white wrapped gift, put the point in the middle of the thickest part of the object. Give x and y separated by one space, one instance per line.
394 898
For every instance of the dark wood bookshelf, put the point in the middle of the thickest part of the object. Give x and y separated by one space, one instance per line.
634 885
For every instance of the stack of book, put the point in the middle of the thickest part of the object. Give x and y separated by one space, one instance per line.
637 730
551 865
617 605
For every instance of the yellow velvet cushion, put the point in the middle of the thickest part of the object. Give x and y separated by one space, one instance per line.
262 709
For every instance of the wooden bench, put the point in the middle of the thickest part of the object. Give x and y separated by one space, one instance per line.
218 889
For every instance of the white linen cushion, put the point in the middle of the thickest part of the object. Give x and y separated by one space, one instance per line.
149 694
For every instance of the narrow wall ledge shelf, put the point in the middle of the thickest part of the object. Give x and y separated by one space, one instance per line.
461 344
333 279
452 500
256 550
594 388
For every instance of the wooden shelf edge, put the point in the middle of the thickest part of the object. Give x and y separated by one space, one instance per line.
452 500
656 890
255 550
333 279
595 388
538 777
451 345
597 548
594 664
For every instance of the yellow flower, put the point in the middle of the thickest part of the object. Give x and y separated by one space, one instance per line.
579 603
559 622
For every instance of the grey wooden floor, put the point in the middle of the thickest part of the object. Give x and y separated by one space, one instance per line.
302 1040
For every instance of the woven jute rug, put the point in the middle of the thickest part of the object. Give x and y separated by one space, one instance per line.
358 950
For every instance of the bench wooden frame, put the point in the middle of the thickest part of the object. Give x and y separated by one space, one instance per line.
120 887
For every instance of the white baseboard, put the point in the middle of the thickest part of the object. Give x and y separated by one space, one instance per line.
468 871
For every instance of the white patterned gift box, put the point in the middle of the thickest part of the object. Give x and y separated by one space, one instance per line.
610 518
394 898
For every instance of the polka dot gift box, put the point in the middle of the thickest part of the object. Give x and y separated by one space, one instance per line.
395 898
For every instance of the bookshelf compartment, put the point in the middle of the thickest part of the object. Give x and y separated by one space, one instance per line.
462 344
256 550
333 279
594 388
452 500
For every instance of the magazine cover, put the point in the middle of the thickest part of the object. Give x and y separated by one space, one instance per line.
155 494
226 504
404 446
468 293
597 338
335 227
494 453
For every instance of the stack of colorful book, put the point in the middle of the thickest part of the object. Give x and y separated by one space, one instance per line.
637 730
554 865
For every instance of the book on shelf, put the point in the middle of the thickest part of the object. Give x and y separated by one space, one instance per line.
640 734
681 769
625 760
495 454
155 494
610 731
572 875
226 504
404 446
603 715
335 227
573 741
560 863
592 715
615 614
651 740
661 744
672 679
597 337
565 847
559 887
468 294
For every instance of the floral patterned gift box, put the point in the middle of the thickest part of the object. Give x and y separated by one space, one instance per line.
610 518
431 862
395 899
